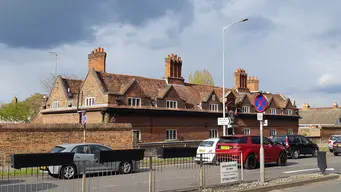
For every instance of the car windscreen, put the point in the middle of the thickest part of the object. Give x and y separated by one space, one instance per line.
335 138
278 139
238 140
57 149
206 144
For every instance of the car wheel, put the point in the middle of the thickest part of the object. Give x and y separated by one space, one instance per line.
282 159
314 154
214 161
68 172
336 154
330 150
296 154
251 162
125 167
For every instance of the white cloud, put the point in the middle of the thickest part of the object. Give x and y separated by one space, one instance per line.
282 44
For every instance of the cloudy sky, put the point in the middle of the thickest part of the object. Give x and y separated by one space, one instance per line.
292 46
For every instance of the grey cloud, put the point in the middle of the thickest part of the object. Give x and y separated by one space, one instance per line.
330 89
44 24
257 25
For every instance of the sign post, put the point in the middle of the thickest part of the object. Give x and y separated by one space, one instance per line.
226 122
84 124
261 103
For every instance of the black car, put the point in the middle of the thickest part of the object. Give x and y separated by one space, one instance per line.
336 147
297 145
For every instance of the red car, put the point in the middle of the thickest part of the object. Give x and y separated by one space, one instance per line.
230 148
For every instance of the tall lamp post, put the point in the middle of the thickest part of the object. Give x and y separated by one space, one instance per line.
224 107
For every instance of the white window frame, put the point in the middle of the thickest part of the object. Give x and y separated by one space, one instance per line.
55 105
134 101
214 107
246 131
273 111
289 111
89 101
214 133
246 109
171 104
172 132
273 132
290 131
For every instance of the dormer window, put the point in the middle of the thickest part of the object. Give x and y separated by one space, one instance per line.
89 101
171 104
136 102
245 109
213 107
55 105
273 111
289 111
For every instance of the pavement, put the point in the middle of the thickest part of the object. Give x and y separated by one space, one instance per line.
165 178
333 185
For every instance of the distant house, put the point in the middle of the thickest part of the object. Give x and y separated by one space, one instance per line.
319 123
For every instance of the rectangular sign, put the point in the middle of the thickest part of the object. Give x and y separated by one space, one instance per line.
265 122
229 172
260 116
224 121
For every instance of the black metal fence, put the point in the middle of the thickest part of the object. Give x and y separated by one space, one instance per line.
121 170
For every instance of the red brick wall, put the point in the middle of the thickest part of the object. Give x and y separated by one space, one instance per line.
92 117
32 138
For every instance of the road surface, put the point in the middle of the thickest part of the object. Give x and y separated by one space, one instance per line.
165 178
333 185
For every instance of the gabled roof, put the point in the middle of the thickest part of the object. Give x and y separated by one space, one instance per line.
320 116
74 85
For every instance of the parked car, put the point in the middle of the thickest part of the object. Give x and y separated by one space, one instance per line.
297 145
207 149
231 147
86 152
331 140
337 146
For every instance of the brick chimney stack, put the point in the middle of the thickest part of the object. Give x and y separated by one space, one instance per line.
253 83
240 80
335 105
306 106
173 65
97 59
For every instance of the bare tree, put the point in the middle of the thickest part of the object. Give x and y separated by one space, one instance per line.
49 82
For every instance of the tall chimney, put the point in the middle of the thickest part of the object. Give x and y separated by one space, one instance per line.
97 59
173 69
240 80
253 83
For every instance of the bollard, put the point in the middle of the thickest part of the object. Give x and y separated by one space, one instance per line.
201 172
150 174
84 176
322 161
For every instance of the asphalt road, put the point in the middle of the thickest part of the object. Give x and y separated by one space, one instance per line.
333 185
165 178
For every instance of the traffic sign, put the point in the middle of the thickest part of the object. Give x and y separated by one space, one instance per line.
260 116
84 118
224 121
260 103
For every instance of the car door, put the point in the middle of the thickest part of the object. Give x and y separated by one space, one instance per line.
308 146
97 165
268 154
83 157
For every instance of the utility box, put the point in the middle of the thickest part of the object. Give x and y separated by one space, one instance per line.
322 161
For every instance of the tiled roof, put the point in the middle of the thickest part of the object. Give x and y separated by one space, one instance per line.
320 116
73 84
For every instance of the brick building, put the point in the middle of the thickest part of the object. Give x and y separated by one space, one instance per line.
167 109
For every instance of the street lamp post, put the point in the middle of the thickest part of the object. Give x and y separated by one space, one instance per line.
224 107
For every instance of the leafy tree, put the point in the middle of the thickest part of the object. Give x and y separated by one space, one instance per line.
203 77
49 82
15 111
34 102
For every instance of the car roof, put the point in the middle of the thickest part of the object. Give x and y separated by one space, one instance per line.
212 139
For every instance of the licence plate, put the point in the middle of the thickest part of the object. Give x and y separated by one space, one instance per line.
202 150
225 147
339 145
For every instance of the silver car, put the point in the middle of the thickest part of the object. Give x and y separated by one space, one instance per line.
85 156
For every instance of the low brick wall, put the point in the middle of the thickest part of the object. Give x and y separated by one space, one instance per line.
36 138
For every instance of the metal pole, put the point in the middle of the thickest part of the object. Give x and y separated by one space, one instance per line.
224 126
261 154
201 176
83 177
242 166
150 174
84 132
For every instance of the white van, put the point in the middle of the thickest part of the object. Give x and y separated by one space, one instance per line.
207 149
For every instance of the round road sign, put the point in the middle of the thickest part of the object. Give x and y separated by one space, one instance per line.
260 103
